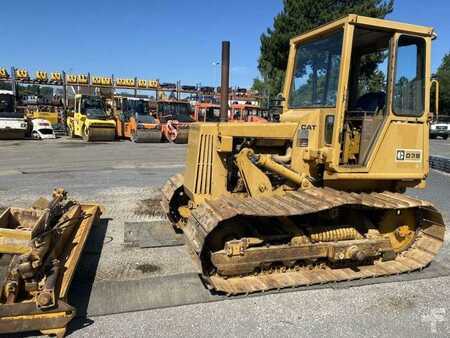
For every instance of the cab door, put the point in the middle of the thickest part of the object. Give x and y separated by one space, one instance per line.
80 117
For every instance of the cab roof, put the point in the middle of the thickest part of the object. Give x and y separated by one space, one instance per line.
364 21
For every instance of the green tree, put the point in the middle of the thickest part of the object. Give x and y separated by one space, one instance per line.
297 17
443 76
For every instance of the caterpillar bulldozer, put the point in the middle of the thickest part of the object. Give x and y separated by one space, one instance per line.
90 120
318 197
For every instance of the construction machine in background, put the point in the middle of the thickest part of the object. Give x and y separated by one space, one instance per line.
90 121
175 119
133 120
246 113
12 122
318 197
44 244
210 112
206 112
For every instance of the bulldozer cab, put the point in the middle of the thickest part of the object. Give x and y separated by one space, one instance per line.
361 85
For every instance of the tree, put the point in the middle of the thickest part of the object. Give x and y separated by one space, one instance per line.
443 76
297 17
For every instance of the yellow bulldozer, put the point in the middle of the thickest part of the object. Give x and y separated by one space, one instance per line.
319 196
90 121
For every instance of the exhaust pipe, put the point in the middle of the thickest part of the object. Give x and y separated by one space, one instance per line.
225 81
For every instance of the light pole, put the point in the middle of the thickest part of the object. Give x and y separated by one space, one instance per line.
215 64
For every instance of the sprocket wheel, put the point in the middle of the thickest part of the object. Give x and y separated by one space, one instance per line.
400 227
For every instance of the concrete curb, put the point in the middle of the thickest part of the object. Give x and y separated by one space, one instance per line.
440 163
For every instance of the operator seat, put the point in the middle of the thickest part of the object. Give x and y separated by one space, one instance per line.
373 105
372 102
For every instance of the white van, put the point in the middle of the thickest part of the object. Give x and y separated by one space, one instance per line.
42 129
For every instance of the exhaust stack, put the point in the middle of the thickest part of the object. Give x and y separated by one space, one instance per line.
225 81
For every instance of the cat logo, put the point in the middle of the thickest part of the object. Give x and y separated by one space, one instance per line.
408 155
308 127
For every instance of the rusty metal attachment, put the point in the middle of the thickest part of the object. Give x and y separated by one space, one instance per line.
45 244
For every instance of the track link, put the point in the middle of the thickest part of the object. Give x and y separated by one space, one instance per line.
205 218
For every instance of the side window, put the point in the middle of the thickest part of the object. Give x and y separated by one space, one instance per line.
329 125
409 86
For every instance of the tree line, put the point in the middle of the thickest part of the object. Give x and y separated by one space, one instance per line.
300 16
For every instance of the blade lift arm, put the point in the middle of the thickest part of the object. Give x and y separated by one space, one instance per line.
257 183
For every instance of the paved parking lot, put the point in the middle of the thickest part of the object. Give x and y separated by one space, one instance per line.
120 174
440 147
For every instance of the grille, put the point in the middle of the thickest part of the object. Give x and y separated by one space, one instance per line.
441 127
204 164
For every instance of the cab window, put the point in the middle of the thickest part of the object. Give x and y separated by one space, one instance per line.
409 87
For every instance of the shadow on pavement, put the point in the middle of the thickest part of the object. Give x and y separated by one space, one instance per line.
81 288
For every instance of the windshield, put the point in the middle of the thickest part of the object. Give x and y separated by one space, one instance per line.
179 111
136 106
145 118
93 107
316 73
213 114
46 131
7 107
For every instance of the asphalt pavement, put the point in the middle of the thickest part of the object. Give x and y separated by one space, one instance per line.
120 174
440 147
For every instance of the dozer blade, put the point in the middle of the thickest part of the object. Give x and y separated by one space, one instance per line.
241 267
23 317
44 308
73 250
100 134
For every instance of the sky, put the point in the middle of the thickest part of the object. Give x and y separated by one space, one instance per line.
168 40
